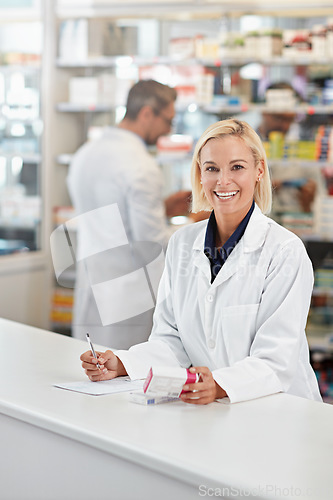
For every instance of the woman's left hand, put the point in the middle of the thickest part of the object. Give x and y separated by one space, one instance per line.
205 391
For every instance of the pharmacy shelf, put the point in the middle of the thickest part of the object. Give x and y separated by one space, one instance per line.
67 107
20 117
175 9
297 60
319 340
65 159
19 223
128 60
122 61
320 290
307 109
27 158
300 162
26 64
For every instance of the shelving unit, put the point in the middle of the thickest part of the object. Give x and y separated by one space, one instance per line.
24 262
67 107
20 150
95 63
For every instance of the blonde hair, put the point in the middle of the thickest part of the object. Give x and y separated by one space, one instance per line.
234 128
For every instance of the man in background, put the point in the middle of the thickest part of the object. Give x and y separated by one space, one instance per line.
119 185
277 121
294 187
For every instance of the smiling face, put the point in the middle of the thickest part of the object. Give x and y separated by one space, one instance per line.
229 175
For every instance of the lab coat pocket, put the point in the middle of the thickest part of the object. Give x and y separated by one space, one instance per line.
239 328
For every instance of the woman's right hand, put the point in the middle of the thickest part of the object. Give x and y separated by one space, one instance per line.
110 366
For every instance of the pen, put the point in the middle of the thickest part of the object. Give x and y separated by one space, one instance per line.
92 349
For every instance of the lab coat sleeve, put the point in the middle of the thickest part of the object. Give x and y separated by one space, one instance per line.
164 346
280 329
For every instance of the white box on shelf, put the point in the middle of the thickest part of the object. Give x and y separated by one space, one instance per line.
182 47
318 42
251 46
80 39
207 48
269 46
83 90
323 212
204 88
280 98
73 40
107 87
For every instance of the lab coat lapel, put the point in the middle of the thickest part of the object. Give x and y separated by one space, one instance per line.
200 260
252 239
232 265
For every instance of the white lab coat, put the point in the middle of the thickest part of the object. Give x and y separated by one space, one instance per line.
248 326
115 169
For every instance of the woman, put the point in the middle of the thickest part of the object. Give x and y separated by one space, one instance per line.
234 297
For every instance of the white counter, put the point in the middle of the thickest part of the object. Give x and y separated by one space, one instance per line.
62 445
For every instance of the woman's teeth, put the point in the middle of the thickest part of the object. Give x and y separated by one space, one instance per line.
226 196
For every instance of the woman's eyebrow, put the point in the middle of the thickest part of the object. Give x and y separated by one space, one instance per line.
210 162
240 159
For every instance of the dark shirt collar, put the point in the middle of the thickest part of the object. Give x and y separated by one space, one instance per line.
218 257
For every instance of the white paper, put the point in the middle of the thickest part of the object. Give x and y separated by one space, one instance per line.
121 384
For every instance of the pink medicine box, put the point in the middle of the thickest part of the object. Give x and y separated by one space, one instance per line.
168 381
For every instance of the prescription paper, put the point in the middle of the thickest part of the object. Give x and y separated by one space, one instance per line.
120 384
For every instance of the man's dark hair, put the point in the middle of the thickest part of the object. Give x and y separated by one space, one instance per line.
148 93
